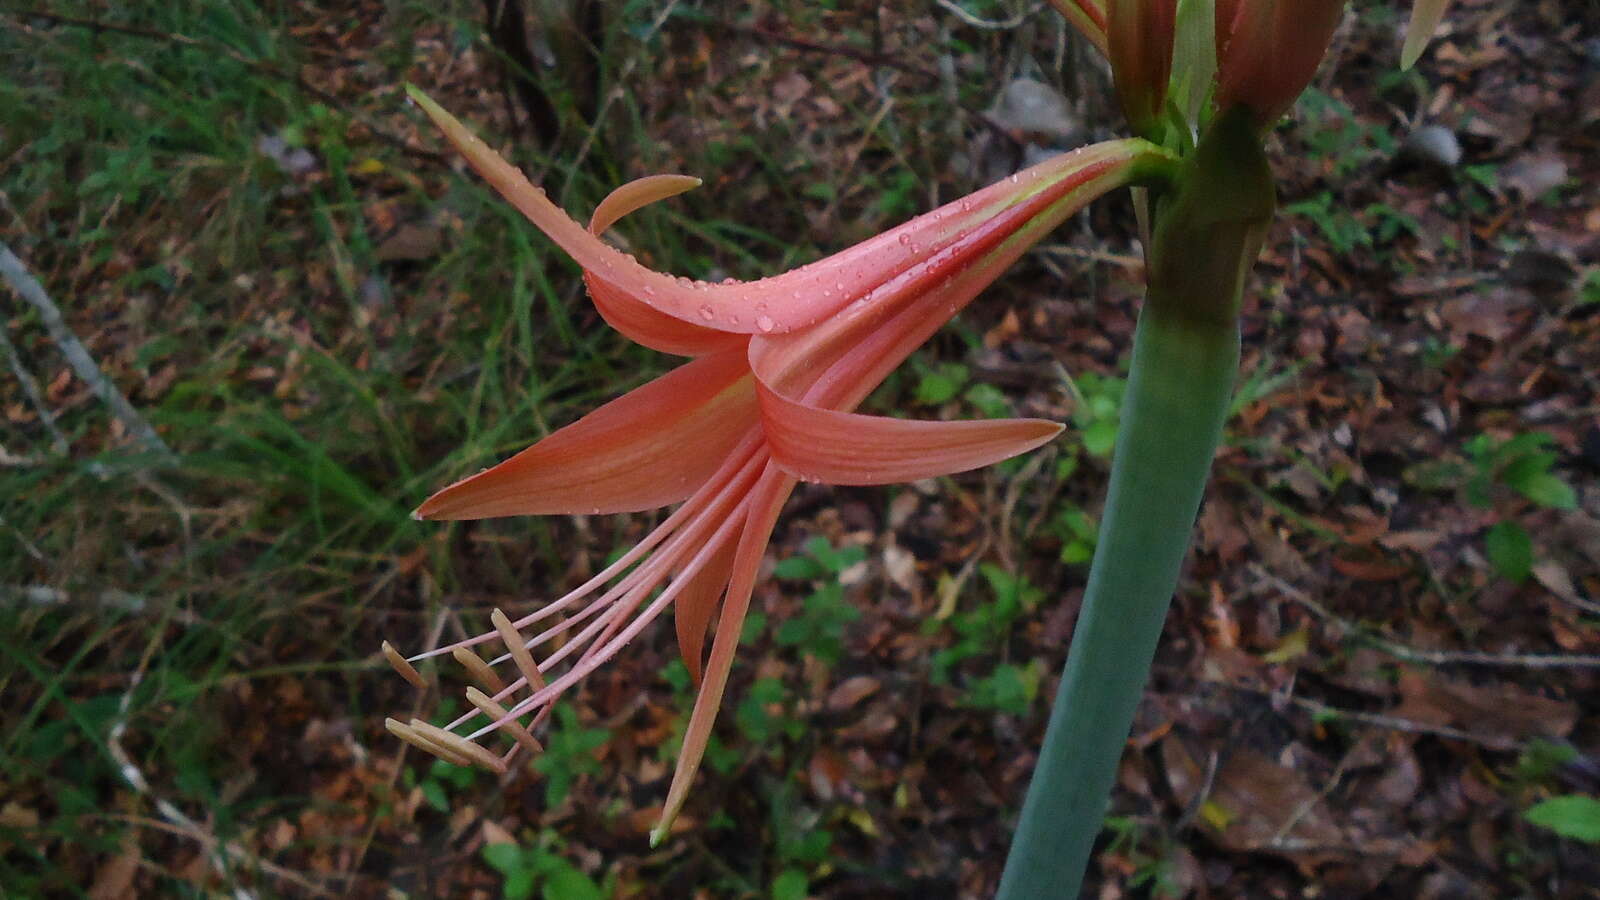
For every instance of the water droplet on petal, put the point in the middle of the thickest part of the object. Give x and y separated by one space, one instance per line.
706 312
649 291
905 240
765 323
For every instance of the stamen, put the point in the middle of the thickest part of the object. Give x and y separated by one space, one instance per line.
409 735
479 670
600 651
519 653
405 669
452 741
497 712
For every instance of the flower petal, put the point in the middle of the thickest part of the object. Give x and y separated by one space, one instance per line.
656 330
637 321
691 612
1088 16
849 448
651 447
1139 40
793 300
1271 50
836 364
765 500
1425 16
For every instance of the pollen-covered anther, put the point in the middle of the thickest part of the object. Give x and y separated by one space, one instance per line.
478 670
496 712
410 735
519 652
404 668
450 741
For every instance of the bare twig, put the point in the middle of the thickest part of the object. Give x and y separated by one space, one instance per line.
1282 834
1430 657
990 24
210 843
1392 723
78 357
616 93
44 595
30 387
218 852
872 59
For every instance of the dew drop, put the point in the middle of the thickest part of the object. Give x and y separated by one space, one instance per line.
706 312
649 291
905 240
765 323
1013 178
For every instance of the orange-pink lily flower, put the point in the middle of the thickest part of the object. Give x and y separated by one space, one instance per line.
778 366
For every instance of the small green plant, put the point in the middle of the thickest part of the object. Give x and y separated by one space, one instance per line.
1097 410
819 629
1331 130
1436 354
438 782
1590 292
1521 464
762 713
1010 688
801 847
533 867
979 631
1493 474
569 752
1343 231
1152 865
1572 816
1078 531
940 383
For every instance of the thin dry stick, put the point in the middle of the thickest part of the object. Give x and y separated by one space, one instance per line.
990 24
1335 713
30 387
218 852
1430 657
868 58
78 357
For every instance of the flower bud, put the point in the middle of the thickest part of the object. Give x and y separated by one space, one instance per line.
1267 51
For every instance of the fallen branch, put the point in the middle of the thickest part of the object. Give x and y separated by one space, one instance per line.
1429 657
1335 713
78 357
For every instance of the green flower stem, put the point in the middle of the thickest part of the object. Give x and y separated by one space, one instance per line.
1177 397
1185 357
